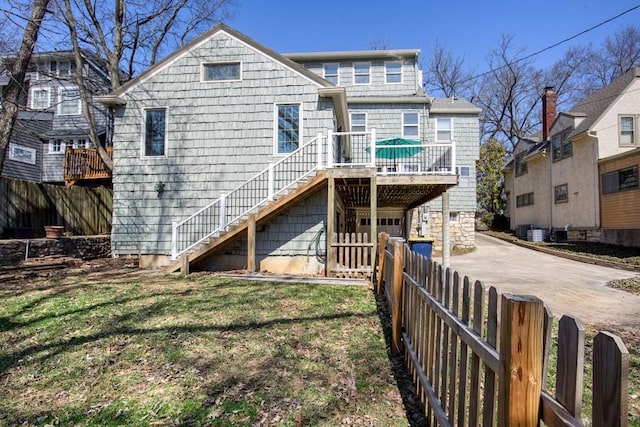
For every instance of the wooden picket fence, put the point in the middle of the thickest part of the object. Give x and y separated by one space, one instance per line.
353 254
27 207
480 358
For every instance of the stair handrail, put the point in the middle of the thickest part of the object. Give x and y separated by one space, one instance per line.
277 172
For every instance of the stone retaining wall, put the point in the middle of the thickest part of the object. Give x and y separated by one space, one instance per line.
12 252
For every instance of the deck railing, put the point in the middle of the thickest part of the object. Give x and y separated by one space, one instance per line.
343 149
85 163
231 208
362 149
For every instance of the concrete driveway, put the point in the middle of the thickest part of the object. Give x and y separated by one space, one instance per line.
566 286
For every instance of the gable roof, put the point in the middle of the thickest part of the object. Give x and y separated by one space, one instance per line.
353 55
593 106
453 106
220 28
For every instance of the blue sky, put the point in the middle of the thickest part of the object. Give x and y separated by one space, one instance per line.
469 27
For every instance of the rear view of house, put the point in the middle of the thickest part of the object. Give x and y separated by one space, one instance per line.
227 152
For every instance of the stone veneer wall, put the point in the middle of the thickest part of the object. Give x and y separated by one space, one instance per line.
12 252
461 232
584 235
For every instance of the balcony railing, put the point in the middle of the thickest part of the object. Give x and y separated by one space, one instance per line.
85 163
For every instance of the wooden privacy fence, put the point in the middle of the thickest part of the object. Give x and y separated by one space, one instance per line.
26 207
480 358
353 255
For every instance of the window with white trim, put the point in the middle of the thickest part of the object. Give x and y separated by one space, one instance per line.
361 73
393 72
410 125
62 68
224 71
628 130
81 143
20 153
155 132
358 122
40 98
69 102
444 129
331 73
288 127
57 146
561 193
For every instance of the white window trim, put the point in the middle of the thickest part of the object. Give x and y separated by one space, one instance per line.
78 111
366 119
636 128
143 132
331 64
63 146
38 89
416 137
31 151
275 126
450 130
368 64
386 73
204 64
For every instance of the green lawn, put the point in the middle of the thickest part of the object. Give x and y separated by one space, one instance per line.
139 349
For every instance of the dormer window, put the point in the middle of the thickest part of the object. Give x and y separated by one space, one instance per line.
331 73
62 68
561 146
226 71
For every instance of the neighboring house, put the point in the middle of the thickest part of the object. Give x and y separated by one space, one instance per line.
556 184
23 160
225 125
51 88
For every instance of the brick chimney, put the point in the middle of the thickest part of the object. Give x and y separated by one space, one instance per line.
549 99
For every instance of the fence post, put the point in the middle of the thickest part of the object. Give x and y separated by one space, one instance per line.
223 211
610 381
382 244
396 310
520 369
271 183
174 240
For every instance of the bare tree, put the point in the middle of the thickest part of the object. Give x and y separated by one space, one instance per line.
131 35
617 55
446 75
17 74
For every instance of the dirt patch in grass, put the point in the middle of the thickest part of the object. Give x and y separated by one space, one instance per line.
94 348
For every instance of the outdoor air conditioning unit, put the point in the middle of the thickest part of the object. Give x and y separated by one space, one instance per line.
521 230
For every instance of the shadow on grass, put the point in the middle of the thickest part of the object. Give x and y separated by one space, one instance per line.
412 405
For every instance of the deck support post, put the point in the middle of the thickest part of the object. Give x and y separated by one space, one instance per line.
331 226
373 203
251 243
446 244
185 268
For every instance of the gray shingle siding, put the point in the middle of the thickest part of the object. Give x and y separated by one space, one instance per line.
26 133
220 134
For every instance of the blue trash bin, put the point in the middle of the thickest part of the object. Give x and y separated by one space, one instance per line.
421 246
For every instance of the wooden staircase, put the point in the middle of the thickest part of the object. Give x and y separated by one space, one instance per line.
303 190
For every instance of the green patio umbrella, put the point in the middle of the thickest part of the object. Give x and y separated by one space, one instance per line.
396 148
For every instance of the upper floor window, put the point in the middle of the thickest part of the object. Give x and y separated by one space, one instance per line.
410 125
524 200
331 73
393 72
155 132
57 146
288 127
62 68
444 129
22 154
69 102
521 164
358 122
361 73
226 71
622 179
628 130
561 146
40 99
